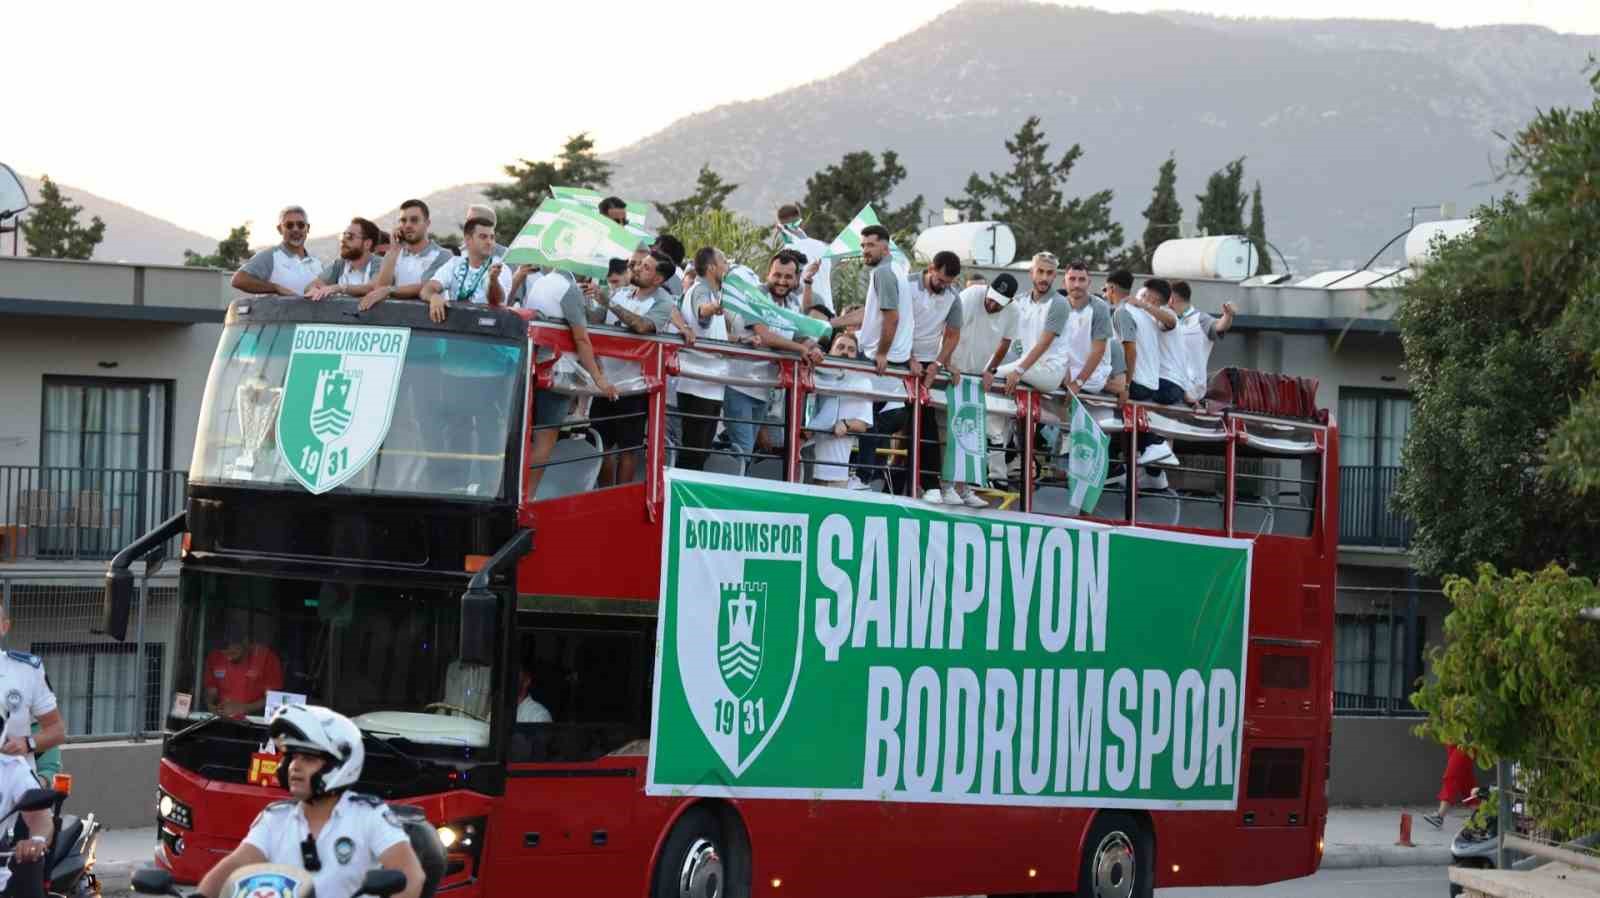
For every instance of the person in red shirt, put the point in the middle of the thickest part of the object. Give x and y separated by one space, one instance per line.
238 675
1459 780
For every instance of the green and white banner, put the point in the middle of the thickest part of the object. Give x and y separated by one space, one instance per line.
1088 458
822 644
572 235
742 294
637 212
338 400
966 448
848 243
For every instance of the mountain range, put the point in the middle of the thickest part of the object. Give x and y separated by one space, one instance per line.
1347 124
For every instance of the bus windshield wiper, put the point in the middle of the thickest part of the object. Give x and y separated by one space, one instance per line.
388 739
193 728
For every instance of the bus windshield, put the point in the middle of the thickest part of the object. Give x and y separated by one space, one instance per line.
385 657
450 411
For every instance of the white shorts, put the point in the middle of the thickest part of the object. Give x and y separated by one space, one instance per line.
1045 375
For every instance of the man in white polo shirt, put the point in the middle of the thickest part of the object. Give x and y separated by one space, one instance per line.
412 260
356 268
476 276
988 325
936 316
1041 320
286 269
1197 331
1088 332
1140 321
885 337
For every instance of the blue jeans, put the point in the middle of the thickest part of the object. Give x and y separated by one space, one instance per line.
742 434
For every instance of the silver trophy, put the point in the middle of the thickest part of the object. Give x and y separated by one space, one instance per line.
258 410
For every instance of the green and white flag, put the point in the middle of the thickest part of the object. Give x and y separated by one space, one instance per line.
1088 457
819 644
965 446
572 235
637 212
742 294
848 243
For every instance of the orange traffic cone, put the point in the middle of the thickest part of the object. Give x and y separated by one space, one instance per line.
1405 832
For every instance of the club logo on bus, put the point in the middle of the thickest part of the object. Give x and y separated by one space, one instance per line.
740 625
338 400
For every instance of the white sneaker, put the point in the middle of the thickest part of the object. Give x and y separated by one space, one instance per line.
854 483
935 497
951 497
970 497
1157 482
1158 454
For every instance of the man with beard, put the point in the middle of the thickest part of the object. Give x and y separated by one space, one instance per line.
745 406
643 308
413 260
353 272
936 314
286 269
1088 332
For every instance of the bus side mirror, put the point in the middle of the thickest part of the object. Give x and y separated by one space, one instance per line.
479 613
117 603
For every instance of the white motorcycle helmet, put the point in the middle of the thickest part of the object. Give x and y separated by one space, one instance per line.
315 730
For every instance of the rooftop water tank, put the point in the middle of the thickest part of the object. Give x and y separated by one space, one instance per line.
976 242
1420 240
1225 258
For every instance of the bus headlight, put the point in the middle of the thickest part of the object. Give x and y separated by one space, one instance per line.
448 837
170 810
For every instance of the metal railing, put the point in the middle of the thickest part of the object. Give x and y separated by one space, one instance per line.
1367 516
67 514
105 689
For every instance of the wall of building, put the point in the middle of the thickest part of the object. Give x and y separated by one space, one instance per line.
115 780
31 348
1379 761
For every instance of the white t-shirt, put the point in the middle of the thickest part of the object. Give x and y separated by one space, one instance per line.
1084 327
25 693
457 276
833 452
1197 331
414 268
1037 317
755 369
1134 325
931 314
886 292
281 267
530 711
359 831
981 332
714 328
1174 366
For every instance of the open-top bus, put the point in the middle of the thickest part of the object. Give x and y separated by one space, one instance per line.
393 565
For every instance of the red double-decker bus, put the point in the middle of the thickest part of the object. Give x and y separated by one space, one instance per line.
496 645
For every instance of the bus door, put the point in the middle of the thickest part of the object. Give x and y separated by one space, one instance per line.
1282 705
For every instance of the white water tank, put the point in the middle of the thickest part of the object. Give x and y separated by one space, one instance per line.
1226 258
987 243
1420 240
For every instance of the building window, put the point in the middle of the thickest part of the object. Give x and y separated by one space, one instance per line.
1372 433
95 685
95 423
1371 657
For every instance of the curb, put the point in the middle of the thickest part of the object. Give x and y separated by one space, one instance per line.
1354 857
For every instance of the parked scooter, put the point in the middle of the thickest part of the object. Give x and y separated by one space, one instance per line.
267 881
1475 844
69 864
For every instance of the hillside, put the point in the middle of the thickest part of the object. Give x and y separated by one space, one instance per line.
131 235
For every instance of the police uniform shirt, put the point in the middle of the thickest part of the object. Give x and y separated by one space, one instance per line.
16 778
358 832
25 695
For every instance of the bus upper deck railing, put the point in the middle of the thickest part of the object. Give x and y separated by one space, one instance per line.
1242 473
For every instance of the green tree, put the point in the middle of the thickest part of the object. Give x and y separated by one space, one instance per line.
576 166
1502 340
1162 216
230 254
743 241
710 192
1257 232
51 227
1222 205
835 194
1030 200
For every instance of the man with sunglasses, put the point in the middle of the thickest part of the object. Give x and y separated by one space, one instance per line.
356 268
331 831
286 269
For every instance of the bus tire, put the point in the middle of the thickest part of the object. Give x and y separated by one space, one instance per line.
1118 859
694 859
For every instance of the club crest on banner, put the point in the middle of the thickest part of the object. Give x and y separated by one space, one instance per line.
338 400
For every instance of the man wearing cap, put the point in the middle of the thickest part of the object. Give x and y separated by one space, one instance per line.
286 269
411 261
988 325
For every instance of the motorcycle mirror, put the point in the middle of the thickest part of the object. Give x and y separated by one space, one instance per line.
153 881
37 800
383 883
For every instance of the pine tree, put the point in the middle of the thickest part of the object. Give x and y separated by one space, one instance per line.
710 192
1258 232
576 166
835 194
1222 205
1162 216
230 254
51 227
1029 199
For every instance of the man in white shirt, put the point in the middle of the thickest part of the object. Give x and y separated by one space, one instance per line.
1041 320
1140 320
644 308
412 259
1088 332
476 276
286 269
988 325
700 401
356 268
1197 332
842 416
886 330
745 404
529 710
556 297
936 316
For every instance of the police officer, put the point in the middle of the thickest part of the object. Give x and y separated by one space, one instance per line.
25 697
331 831
24 878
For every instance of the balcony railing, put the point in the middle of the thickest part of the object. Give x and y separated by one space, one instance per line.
1367 516
67 514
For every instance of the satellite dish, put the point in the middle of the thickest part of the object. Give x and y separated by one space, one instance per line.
13 197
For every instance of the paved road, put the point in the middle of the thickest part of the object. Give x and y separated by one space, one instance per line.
1377 882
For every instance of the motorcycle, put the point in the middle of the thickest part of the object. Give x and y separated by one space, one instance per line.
1475 843
69 864
267 881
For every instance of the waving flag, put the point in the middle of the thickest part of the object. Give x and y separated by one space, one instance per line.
848 243
572 235
1088 457
636 211
815 250
741 292
966 450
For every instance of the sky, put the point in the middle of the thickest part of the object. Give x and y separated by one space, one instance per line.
221 113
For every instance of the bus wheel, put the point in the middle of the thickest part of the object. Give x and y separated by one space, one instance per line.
1118 860
693 861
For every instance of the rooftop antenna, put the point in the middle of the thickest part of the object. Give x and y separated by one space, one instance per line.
13 202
